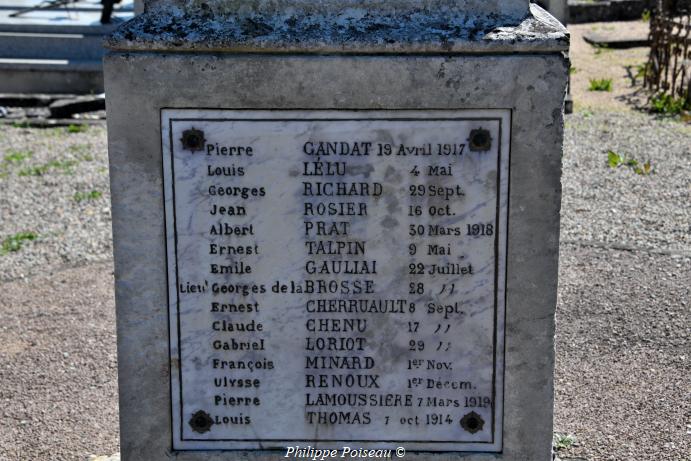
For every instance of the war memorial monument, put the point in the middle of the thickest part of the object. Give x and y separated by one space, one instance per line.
336 228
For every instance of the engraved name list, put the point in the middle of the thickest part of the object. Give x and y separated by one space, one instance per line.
336 277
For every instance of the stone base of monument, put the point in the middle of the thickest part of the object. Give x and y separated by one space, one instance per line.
336 224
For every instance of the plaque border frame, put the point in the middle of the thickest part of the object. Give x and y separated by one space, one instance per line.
505 137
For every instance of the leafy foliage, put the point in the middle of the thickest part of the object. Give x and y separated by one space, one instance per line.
600 84
562 441
667 104
615 160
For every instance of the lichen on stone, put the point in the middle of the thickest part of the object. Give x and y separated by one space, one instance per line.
224 26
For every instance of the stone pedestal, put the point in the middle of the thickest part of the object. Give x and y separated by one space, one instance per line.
493 67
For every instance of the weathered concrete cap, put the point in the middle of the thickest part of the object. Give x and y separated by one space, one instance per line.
516 9
341 26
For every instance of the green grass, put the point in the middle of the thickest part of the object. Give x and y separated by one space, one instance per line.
54 133
91 195
73 128
647 14
600 84
15 242
13 158
82 151
64 166
34 171
16 156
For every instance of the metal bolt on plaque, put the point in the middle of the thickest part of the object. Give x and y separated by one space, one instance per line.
201 422
472 422
479 140
193 139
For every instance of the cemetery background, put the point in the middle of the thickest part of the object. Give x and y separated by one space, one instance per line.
623 344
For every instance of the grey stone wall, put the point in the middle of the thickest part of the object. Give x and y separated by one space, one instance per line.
140 84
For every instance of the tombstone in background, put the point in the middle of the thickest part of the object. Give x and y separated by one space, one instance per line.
336 226
557 8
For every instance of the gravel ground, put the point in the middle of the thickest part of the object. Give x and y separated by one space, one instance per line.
58 366
54 184
616 206
623 378
623 347
589 62
624 355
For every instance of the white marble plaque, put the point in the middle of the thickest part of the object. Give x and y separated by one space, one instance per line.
336 278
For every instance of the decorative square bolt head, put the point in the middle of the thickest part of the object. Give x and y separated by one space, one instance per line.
201 422
193 139
479 140
472 422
